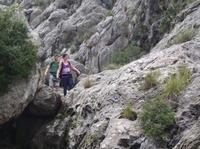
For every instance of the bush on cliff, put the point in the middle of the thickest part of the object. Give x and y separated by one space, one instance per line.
156 117
17 52
129 54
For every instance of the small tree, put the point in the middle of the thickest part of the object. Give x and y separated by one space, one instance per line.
156 117
17 52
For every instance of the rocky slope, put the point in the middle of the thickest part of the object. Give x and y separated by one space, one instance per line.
89 118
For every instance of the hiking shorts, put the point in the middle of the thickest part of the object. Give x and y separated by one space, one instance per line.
53 81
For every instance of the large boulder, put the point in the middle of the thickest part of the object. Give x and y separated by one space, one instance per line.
45 103
20 94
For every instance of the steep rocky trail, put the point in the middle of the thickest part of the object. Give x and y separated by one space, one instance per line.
95 121
90 118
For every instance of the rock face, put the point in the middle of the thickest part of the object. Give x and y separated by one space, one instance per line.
96 122
52 135
95 29
91 117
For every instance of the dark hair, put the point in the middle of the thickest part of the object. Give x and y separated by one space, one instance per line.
64 55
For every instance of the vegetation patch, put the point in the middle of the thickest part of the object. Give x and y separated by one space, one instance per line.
129 54
74 124
84 35
88 83
17 52
124 28
171 12
63 116
112 67
40 2
73 48
90 141
156 118
183 36
176 83
78 39
129 113
150 80
110 13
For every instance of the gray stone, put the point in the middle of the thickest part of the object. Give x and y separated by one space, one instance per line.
52 135
20 94
45 103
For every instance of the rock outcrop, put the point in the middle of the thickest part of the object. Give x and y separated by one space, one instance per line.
20 94
95 29
46 103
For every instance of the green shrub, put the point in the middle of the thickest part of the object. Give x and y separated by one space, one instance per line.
17 52
40 2
125 8
74 124
150 80
72 10
183 36
88 83
63 116
81 36
129 113
129 54
110 13
73 48
123 27
156 117
84 35
177 82
111 67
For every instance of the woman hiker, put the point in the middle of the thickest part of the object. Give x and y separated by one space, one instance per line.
64 73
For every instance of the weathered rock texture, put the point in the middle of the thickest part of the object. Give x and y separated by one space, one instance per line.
96 123
95 29
46 103
20 94
92 118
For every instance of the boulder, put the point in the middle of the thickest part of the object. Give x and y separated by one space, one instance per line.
20 94
46 103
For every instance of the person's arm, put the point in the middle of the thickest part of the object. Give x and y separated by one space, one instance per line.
47 70
75 69
59 69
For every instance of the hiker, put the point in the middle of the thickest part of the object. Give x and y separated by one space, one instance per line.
64 73
52 68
